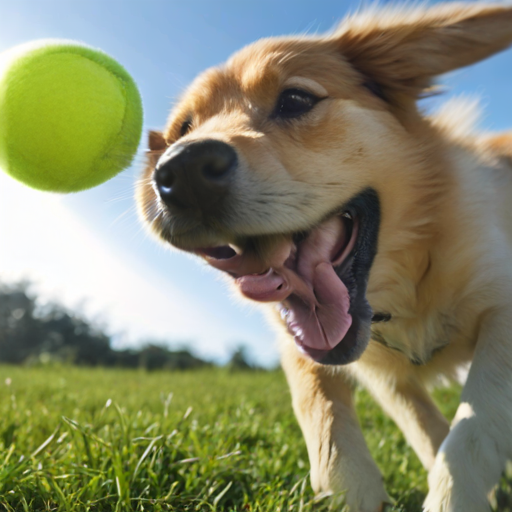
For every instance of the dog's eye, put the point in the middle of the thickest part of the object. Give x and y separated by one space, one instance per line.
185 127
294 103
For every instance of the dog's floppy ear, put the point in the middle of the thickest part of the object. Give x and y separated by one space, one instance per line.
156 141
156 147
402 50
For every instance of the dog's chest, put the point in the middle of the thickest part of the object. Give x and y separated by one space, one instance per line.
418 339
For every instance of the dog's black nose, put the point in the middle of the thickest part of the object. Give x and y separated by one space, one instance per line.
195 175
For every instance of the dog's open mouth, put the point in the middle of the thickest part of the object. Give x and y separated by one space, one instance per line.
318 278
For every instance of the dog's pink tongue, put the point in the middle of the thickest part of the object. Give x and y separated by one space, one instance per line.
322 324
268 287
315 300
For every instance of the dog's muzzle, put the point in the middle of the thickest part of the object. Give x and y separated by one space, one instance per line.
195 177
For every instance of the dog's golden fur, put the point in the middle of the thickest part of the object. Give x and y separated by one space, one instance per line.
445 241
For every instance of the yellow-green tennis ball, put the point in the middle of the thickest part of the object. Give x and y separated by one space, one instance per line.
70 116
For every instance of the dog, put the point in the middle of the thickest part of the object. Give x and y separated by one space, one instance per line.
379 238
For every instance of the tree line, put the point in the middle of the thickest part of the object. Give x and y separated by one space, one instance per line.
31 333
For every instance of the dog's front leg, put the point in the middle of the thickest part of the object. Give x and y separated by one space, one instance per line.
472 457
340 460
406 400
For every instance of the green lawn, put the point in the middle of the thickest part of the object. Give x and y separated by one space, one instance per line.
76 439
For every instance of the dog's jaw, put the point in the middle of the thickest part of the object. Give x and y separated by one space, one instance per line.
317 278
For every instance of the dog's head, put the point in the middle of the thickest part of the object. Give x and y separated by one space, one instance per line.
290 165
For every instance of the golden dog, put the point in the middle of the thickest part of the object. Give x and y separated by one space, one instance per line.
303 169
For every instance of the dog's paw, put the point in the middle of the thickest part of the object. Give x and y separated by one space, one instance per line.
440 490
467 466
373 504
446 496
360 498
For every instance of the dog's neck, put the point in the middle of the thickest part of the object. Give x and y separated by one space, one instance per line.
423 278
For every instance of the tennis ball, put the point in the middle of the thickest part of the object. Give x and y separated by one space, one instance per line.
70 115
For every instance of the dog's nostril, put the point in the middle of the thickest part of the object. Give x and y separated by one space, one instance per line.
165 179
214 171
220 164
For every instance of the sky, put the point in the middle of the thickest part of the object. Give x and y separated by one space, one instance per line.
89 250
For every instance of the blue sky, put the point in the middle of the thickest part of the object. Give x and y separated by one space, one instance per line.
88 249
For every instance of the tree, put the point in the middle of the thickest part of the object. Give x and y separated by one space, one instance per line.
240 360
29 331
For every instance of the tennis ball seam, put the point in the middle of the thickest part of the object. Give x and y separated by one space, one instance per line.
115 137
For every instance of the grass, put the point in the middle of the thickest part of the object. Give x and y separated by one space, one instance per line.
75 439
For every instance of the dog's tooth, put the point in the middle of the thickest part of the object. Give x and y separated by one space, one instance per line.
296 331
265 272
347 215
284 313
235 248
